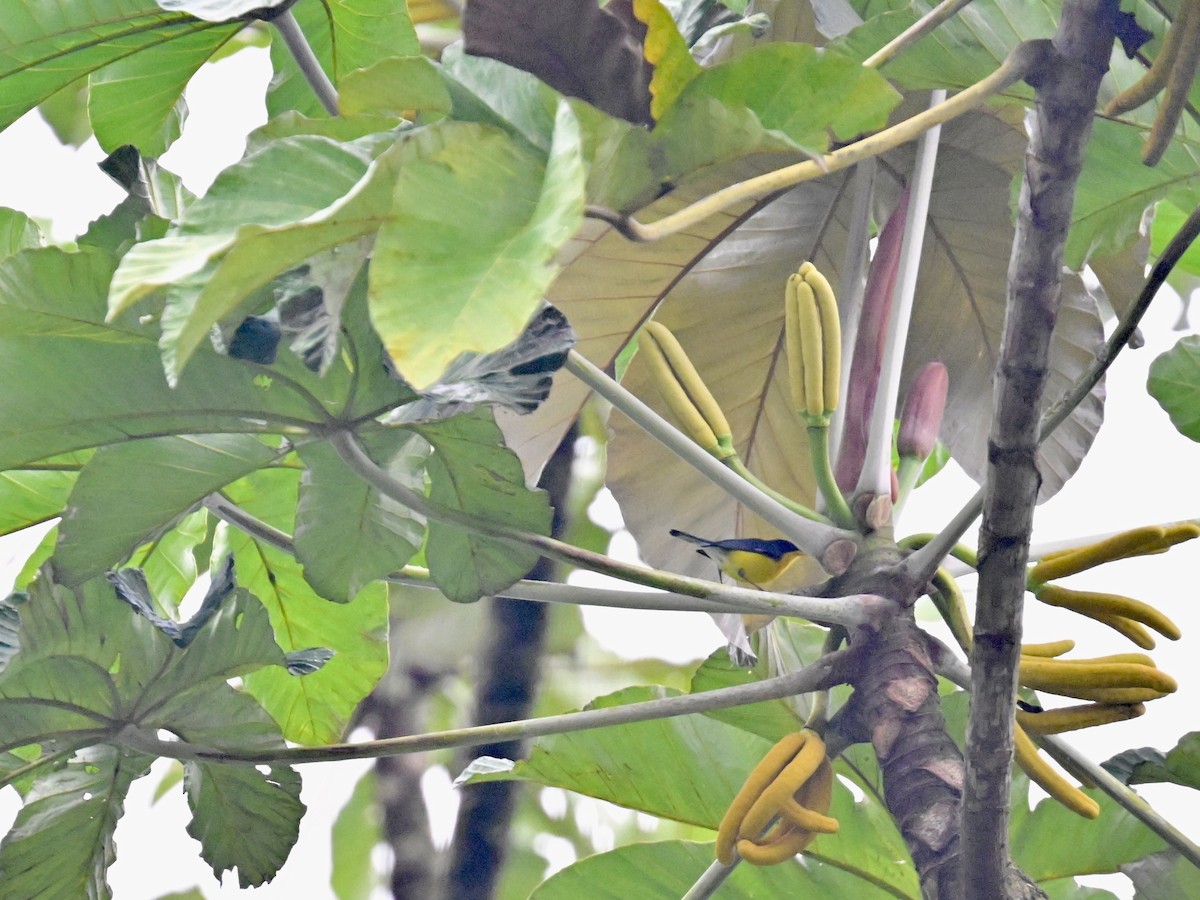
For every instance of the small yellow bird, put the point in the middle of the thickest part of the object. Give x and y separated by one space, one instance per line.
752 561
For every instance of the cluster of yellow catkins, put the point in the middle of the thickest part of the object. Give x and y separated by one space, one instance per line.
1118 685
791 786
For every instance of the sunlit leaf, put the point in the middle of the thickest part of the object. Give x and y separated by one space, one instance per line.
446 278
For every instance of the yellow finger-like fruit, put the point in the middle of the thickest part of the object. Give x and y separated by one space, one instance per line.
1048 778
1073 718
760 777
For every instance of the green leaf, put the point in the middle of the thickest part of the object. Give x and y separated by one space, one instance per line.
74 381
807 94
655 766
1147 766
357 830
169 563
1175 383
61 843
345 35
128 494
668 52
210 262
465 256
36 494
661 871
1168 219
17 232
244 818
395 86
471 470
44 47
138 100
1053 842
347 533
88 664
770 719
317 708
621 158
1114 191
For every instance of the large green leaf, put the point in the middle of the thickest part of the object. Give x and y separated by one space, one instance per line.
685 768
345 35
87 667
36 494
61 844
812 96
623 159
665 870
46 46
209 263
347 533
464 258
74 381
129 493
1175 383
138 100
315 709
1052 842
471 470
244 818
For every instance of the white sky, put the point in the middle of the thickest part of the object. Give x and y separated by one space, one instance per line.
1140 471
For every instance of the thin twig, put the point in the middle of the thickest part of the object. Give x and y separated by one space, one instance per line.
817 609
820 674
310 66
1023 59
914 32
717 598
812 537
1163 266
1125 797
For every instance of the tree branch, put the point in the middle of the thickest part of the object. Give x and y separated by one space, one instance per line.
1023 59
821 674
1066 88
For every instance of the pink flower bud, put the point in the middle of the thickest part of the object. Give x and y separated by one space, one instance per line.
923 408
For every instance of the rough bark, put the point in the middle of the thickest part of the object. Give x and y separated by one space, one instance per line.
510 668
1066 87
